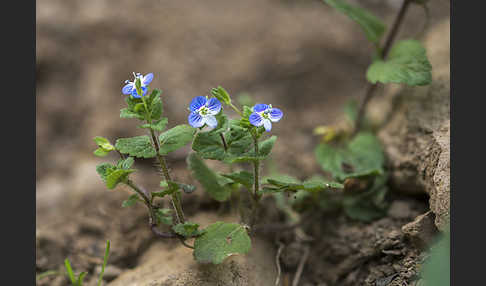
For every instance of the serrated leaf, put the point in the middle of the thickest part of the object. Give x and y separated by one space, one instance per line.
314 184
187 229
371 25
220 241
221 94
362 156
100 152
208 179
175 138
407 63
139 146
125 163
104 169
158 125
130 201
116 177
242 177
127 113
156 108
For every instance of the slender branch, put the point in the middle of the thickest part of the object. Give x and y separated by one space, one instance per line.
386 49
277 261
300 268
256 177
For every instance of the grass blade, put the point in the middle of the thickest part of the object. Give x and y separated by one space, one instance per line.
105 260
70 271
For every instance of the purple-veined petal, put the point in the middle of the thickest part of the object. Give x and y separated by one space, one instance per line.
211 121
267 124
197 102
195 120
275 114
147 79
255 119
260 107
214 106
127 89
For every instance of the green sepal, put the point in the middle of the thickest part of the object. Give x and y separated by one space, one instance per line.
221 94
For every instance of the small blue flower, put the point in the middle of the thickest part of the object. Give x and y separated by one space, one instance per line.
203 111
130 88
264 115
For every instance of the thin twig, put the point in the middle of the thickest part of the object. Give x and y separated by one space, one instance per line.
277 261
300 268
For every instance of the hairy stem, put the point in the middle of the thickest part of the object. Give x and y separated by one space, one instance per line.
256 177
370 91
146 201
176 203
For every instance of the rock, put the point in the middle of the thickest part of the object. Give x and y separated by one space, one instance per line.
399 210
168 263
416 133
422 230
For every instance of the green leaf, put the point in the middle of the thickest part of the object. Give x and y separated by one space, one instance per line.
80 280
116 177
265 147
131 201
371 25
140 146
369 205
158 125
407 63
175 138
220 241
314 184
69 270
187 229
156 108
437 267
221 94
103 143
104 169
125 163
105 261
223 123
164 216
100 152
362 156
127 113
242 177
208 179
171 187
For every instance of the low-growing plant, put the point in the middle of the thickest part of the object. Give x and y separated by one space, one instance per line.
213 136
79 279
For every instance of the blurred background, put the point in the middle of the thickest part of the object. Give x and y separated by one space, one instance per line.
301 56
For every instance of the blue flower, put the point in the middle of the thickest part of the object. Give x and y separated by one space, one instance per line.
203 111
264 115
130 88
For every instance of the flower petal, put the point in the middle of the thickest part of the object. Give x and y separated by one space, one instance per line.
127 89
214 106
260 107
195 120
211 121
135 93
147 79
275 114
197 102
255 119
267 124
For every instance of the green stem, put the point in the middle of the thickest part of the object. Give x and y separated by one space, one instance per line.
176 203
146 200
256 177
388 43
235 109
